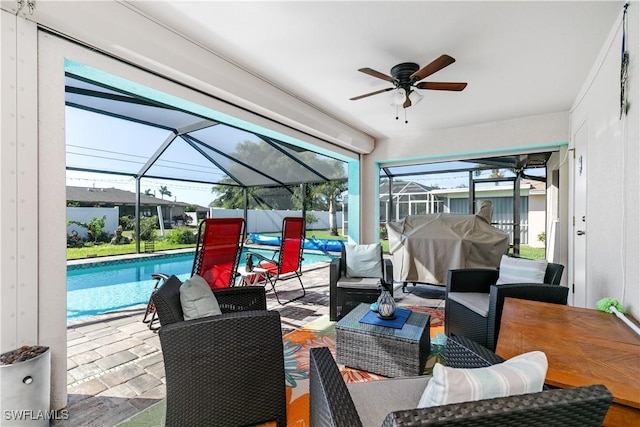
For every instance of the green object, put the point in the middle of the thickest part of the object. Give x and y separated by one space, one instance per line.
605 305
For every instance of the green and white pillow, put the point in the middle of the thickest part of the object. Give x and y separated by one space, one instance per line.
519 375
197 299
521 270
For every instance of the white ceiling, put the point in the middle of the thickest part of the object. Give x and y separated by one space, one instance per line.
519 58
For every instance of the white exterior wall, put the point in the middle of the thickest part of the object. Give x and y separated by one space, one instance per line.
537 218
612 173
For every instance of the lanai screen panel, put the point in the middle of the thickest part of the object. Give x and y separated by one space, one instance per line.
250 159
117 131
99 142
181 161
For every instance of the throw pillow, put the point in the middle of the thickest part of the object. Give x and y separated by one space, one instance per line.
197 300
364 260
520 270
521 374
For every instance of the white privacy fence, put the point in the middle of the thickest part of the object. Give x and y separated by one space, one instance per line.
258 221
87 214
265 221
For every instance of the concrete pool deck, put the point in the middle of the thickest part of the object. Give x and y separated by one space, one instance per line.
114 362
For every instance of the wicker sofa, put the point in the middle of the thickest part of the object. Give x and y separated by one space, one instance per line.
225 370
390 402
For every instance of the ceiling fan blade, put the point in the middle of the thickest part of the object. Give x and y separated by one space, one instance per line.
441 86
435 65
355 98
407 103
377 74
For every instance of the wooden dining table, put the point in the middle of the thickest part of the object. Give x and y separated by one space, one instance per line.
583 346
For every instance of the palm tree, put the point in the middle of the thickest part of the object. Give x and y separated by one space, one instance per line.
330 192
164 191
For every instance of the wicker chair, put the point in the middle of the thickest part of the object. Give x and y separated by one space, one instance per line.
225 370
331 403
345 293
473 302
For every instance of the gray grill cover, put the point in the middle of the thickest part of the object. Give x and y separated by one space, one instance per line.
425 247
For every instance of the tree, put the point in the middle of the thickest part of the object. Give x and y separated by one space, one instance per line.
164 191
322 196
148 192
329 191
94 227
495 172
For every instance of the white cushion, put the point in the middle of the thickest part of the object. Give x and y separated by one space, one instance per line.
519 375
475 301
364 260
375 399
197 299
521 270
358 283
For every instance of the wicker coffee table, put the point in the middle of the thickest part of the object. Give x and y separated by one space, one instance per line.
385 351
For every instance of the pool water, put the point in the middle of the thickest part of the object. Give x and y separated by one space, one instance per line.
108 286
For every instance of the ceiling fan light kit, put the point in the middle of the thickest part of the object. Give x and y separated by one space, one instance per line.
406 78
398 97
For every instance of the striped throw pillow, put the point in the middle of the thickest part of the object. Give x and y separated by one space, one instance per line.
520 270
519 375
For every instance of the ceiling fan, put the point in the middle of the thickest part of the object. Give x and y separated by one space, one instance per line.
406 78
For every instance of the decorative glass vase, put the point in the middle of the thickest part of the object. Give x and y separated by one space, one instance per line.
386 304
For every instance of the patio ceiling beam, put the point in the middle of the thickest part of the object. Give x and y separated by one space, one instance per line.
203 124
117 116
154 157
194 142
129 99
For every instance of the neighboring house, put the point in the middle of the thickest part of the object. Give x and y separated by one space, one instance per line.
410 197
125 201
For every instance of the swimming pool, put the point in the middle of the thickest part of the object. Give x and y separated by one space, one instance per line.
102 287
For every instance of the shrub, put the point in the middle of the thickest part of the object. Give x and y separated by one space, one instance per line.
74 240
128 222
310 218
94 228
181 236
542 237
384 235
148 226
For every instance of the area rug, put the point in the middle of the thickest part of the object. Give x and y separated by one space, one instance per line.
319 333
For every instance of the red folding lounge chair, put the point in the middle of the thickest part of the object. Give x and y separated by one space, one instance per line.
218 251
216 257
288 259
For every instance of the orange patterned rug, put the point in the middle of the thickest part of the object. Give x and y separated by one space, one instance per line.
321 333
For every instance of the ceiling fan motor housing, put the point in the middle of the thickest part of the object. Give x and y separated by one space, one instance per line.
402 74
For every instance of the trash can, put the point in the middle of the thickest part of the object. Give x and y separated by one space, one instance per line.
25 387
